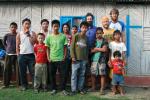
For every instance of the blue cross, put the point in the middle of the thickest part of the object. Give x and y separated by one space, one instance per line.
128 27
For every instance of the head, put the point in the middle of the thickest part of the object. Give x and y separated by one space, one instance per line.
44 24
89 18
99 32
40 37
13 27
117 55
66 28
26 23
55 25
84 26
105 22
114 13
117 35
74 29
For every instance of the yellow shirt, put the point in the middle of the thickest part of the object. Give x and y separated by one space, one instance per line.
108 34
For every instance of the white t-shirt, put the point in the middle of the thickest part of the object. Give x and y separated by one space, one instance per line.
114 46
25 45
117 26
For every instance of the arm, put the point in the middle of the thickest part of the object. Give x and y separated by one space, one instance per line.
110 64
48 53
72 49
65 52
33 38
4 41
18 44
124 57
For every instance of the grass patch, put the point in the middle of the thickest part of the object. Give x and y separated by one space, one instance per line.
15 94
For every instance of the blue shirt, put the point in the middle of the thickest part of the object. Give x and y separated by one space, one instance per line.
91 36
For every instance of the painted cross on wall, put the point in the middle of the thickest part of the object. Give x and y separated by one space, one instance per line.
128 27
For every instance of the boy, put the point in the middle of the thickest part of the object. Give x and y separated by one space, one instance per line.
74 30
44 27
25 41
98 66
79 55
41 64
117 45
56 53
117 65
9 41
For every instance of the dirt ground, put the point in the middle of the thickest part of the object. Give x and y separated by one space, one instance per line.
132 93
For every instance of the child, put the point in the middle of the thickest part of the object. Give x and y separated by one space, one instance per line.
44 27
41 64
56 53
117 45
117 64
98 66
74 30
25 41
79 55
9 41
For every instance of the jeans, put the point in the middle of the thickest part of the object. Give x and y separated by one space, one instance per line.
10 63
62 72
26 60
78 75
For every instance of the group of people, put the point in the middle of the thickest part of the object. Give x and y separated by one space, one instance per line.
101 49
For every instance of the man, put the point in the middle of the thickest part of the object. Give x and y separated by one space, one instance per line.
56 53
116 24
24 49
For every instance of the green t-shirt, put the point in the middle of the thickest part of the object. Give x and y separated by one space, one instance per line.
56 44
97 55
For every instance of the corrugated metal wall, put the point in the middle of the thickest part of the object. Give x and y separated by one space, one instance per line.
139 59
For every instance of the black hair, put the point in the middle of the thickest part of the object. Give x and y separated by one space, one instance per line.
67 26
117 53
40 34
75 26
55 22
116 32
26 19
14 24
44 20
89 14
99 28
84 23
114 10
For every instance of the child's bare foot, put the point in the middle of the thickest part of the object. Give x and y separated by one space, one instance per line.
122 94
113 93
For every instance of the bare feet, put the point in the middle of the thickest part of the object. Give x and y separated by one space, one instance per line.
113 93
122 94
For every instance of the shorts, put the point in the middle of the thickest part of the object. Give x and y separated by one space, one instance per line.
117 79
98 69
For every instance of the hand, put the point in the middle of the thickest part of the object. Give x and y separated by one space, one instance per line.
49 60
109 63
73 60
28 34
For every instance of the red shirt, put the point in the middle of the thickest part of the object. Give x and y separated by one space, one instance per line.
69 39
40 53
116 64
